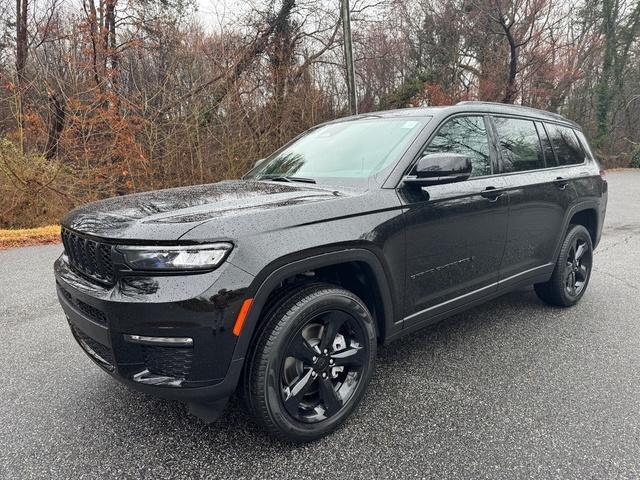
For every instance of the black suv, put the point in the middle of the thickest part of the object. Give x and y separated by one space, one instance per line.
279 286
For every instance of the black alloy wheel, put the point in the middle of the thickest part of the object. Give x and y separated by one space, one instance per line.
572 271
322 366
311 363
578 266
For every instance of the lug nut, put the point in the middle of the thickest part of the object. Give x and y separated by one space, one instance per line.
315 358
324 374
331 361
314 374
326 351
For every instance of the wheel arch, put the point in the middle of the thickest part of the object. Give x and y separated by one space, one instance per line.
585 214
271 279
588 218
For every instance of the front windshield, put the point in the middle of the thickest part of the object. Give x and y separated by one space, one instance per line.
350 149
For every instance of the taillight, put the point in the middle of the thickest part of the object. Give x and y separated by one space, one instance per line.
603 175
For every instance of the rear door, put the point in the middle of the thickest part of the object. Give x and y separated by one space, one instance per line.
540 194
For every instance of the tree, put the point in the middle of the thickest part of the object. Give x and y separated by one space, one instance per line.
620 30
518 21
121 97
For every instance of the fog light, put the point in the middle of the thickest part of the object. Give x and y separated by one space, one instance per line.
164 341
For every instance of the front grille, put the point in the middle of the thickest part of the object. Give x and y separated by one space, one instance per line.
101 353
168 361
89 257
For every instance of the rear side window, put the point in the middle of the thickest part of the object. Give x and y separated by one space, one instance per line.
519 144
467 136
566 145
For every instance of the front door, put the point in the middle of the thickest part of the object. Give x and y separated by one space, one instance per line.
455 233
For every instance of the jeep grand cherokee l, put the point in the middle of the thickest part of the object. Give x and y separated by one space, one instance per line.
280 286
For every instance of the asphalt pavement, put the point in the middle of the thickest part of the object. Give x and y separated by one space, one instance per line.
510 389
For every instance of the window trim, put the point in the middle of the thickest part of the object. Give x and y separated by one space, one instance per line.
394 179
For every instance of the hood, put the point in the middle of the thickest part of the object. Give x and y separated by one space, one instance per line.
166 215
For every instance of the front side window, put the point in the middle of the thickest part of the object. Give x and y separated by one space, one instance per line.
350 149
466 136
519 144
566 144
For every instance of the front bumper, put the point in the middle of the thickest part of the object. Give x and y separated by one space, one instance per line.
201 306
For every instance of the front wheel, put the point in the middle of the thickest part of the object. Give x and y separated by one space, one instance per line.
572 271
311 364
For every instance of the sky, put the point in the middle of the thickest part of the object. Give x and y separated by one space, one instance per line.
216 13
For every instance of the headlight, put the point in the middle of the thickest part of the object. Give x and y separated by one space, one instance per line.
188 257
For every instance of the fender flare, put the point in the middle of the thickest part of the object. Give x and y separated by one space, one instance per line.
577 208
275 277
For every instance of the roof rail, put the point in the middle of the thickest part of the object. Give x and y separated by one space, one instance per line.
510 105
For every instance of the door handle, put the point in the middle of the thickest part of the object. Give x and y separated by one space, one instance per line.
561 183
492 194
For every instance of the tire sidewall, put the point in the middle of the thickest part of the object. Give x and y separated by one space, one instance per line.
299 316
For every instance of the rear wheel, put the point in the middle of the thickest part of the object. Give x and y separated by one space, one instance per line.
571 275
311 364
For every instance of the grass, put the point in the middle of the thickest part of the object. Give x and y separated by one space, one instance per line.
23 237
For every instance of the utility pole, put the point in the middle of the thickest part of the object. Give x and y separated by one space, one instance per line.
348 57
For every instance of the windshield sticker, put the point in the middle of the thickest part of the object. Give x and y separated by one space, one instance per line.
409 124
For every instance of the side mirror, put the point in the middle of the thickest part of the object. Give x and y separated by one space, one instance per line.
440 168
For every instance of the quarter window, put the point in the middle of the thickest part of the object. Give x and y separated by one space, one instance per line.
519 144
585 145
566 144
466 136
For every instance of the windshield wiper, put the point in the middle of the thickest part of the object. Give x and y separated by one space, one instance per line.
286 178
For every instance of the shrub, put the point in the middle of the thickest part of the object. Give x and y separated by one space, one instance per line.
29 188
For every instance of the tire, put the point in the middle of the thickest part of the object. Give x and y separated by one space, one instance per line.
311 341
572 272
272 304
